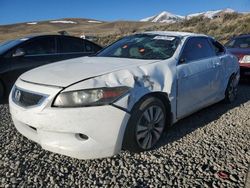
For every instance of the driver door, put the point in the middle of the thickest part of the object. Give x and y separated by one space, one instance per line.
196 73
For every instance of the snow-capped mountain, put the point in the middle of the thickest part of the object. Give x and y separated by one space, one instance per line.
164 17
211 14
167 17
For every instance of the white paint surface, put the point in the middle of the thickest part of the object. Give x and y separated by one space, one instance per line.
189 87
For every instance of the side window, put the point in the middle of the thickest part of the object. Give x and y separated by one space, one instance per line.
218 48
197 48
40 46
70 45
97 48
89 47
239 42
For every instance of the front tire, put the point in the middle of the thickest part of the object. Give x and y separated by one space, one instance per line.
145 126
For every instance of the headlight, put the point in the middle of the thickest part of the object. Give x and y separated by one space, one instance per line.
245 59
90 97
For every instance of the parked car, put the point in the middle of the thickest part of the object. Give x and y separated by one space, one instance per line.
240 47
20 55
125 97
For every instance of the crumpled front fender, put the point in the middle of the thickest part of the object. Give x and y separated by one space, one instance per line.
155 77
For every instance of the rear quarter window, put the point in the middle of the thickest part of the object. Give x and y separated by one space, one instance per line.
71 45
91 47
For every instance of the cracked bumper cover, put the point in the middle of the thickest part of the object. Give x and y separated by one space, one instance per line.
56 129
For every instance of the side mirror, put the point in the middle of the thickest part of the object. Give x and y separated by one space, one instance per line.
182 60
18 53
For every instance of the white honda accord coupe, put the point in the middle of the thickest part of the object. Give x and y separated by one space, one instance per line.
125 96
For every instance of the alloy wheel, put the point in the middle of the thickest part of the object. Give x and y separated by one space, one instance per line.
150 127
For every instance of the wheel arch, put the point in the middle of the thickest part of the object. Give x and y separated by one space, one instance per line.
164 98
128 137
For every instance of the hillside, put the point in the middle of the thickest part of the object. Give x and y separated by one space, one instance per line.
167 17
222 27
164 17
74 26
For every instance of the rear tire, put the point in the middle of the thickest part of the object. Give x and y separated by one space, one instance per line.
231 91
145 126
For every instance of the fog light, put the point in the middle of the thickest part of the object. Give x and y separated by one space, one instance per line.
81 136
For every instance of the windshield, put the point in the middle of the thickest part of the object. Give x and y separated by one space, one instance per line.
241 42
4 46
142 46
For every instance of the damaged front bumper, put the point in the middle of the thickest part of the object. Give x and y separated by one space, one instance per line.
83 133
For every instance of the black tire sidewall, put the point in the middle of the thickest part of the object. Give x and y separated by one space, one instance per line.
227 98
129 141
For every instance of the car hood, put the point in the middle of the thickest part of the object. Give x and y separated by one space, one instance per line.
65 73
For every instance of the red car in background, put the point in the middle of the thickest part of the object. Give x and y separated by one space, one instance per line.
240 47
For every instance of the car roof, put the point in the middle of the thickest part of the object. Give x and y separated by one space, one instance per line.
23 39
174 33
47 35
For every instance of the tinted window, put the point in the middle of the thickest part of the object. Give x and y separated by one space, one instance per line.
44 45
71 45
218 48
240 42
142 46
97 48
7 45
197 48
89 47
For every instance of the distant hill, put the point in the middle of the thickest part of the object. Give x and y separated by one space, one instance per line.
167 17
212 14
74 26
222 27
164 17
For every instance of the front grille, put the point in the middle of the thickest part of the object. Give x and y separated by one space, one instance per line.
25 98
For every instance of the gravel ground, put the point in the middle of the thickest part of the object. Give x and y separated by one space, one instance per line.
208 149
